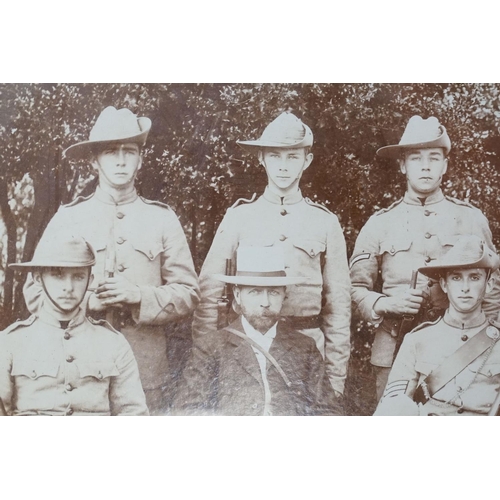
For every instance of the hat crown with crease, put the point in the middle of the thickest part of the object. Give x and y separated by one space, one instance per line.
419 134
285 131
112 125
469 252
260 266
60 251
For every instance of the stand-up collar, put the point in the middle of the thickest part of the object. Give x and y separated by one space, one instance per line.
426 200
477 321
289 199
110 200
49 319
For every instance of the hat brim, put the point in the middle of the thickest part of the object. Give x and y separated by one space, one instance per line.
255 146
260 280
27 266
82 150
395 151
436 272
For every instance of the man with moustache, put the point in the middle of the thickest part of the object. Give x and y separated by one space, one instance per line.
412 233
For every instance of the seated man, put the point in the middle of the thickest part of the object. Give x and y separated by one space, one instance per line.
258 365
451 366
58 362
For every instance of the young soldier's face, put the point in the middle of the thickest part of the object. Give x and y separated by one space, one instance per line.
284 167
424 169
118 164
261 305
466 288
66 286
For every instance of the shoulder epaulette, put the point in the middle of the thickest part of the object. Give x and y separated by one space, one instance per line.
459 202
424 325
78 200
18 324
390 207
317 205
239 201
155 202
102 322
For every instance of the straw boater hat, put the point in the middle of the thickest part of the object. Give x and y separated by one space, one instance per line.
418 134
61 251
285 131
469 252
260 266
113 125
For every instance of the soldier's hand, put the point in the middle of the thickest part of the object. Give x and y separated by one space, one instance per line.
96 305
408 302
117 290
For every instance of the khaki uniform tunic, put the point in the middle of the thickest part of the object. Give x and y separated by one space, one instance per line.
471 392
314 247
85 369
151 251
403 238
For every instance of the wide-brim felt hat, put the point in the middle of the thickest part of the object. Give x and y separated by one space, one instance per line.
286 131
60 251
419 134
112 126
260 266
469 252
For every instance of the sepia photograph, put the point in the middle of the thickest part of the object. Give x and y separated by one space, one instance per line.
249 249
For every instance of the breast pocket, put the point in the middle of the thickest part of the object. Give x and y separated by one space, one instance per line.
312 248
99 371
150 249
392 247
35 369
489 370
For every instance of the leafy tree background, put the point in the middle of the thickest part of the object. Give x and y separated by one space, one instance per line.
192 161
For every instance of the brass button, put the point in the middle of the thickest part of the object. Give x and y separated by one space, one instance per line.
428 235
33 373
66 336
99 375
427 259
121 268
430 284
282 237
70 411
120 215
465 338
120 241
283 212
427 213
69 387
460 411
70 359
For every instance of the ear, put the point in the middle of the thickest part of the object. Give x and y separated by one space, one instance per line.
309 159
91 279
37 277
140 162
260 156
489 284
402 166
442 283
237 294
445 167
94 163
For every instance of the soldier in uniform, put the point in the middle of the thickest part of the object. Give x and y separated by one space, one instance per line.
413 232
58 362
310 236
452 366
144 269
258 365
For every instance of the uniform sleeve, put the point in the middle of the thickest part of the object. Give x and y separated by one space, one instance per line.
198 389
336 309
223 247
126 396
491 301
364 270
6 381
179 294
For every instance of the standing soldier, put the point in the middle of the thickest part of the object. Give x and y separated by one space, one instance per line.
312 240
144 268
411 233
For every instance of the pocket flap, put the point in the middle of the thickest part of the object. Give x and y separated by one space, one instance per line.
98 370
35 368
490 370
310 247
393 246
257 242
448 239
150 249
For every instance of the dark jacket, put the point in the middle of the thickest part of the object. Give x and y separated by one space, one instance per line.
223 377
